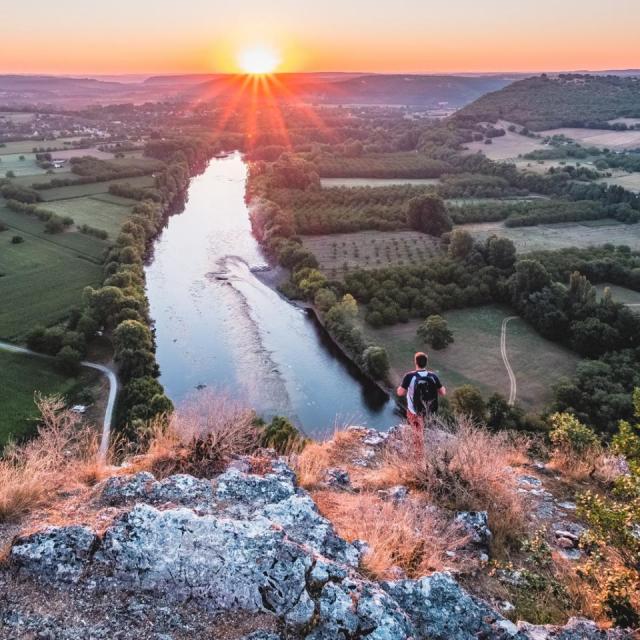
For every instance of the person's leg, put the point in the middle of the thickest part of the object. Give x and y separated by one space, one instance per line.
416 423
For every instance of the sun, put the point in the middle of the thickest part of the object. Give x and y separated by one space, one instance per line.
258 60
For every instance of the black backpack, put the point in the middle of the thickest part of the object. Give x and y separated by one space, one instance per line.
425 393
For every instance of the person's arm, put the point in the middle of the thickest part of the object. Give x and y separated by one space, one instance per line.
442 390
404 386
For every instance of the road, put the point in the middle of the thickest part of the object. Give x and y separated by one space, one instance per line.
513 390
113 390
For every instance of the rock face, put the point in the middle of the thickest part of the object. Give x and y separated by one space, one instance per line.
255 545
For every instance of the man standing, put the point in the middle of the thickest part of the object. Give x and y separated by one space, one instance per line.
422 389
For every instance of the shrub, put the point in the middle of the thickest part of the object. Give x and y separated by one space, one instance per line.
467 401
200 438
466 468
17 240
281 435
62 454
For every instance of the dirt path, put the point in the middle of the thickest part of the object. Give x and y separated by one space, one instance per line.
513 390
113 389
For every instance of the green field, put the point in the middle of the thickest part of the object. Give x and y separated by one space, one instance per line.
95 212
20 377
27 146
620 294
92 188
42 278
20 164
560 236
475 358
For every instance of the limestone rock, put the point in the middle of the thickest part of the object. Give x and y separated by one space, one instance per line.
55 553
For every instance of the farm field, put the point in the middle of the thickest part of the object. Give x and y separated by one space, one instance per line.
629 181
27 146
44 276
21 167
407 164
92 188
475 358
342 252
506 147
93 211
559 236
376 182
20 377
599 137
31 179
620 294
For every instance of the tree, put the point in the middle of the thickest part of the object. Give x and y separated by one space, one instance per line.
501 415
429 215
10 174
17 240
68 360
376 362
467 400
530 276
460 244
435 332
325 299
501 252
131 334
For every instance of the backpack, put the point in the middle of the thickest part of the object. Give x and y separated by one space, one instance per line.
424 393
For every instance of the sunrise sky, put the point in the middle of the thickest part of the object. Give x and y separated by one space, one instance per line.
165 36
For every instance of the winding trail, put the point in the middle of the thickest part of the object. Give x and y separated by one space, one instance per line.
113 390
513 390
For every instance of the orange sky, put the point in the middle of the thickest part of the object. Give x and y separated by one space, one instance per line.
163 36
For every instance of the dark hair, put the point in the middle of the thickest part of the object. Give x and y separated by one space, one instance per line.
421 360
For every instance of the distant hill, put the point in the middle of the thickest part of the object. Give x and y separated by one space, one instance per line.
452 91
568 100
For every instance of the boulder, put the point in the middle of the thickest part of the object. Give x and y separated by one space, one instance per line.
55 553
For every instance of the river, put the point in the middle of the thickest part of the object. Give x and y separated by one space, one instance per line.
219 327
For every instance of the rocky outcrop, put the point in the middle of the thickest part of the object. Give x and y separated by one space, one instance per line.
256 545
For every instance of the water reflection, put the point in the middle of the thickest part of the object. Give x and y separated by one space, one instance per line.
218 326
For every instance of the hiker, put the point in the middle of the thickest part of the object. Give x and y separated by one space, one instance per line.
421 388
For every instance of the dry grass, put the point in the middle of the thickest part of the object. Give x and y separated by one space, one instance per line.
317 457
199 438
406 535
466 468
64 453
578 466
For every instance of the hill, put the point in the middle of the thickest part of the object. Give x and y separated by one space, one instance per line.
377 89
570 100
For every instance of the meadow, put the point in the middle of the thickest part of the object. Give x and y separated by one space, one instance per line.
20 377
629 181
92 188
43 277
342 252
603 138
506 147
94 211
19 165
27 146
620 294
475 357
560 236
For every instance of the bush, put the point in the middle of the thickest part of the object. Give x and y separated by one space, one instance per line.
569 435
281 435
17 240
467 401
